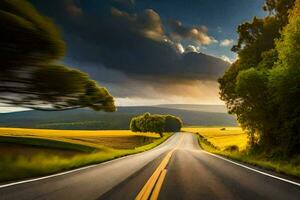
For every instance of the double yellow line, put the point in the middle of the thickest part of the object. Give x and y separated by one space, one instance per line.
152 187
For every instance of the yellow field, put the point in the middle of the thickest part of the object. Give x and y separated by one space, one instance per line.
68 133
222 138
120 139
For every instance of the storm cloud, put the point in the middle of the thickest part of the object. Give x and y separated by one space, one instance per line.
129 45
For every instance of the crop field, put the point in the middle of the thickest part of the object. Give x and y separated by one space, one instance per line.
68 133
222 138
120 139
26 153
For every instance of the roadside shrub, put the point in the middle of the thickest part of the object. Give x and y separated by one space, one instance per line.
232 148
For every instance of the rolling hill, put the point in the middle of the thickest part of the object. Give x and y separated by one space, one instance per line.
88 119
196 107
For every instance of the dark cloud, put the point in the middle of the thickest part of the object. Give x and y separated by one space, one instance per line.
127 3
134 45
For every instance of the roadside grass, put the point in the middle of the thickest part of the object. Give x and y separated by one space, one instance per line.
217 141
26 154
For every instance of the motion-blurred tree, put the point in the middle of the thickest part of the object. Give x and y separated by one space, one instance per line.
30 47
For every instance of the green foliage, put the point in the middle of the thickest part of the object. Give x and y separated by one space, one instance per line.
31 45
172 124
155 123
263 87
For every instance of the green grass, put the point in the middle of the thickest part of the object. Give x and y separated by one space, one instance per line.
210 141
37 157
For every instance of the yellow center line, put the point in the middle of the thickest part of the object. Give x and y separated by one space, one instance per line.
152 187
158 185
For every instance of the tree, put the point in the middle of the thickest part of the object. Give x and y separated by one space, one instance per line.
133 125
30 48
284 83
155 123
172 123
262 87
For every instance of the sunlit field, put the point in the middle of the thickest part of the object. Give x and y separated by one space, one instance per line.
68 133
28 153
222 138
121 139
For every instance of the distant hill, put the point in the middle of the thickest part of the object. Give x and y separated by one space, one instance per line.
88 119
197 107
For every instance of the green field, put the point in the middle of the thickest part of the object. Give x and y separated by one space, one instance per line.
219 141
28 153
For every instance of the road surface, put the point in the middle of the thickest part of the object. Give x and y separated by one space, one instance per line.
177 169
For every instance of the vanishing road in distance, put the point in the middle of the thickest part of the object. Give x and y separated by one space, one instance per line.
176 169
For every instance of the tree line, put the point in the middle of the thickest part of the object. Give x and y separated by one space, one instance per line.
155 123
262 87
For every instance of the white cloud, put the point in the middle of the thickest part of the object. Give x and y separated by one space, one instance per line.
192 48
226 42
179 47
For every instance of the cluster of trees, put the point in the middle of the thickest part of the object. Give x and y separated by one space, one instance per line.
31 49
263 86
155 123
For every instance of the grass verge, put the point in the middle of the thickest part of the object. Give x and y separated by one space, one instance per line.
289 167
21 167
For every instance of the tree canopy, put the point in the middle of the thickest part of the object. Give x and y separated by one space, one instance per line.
31 49
155 123
263 86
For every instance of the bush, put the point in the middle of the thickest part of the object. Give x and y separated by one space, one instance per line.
232 148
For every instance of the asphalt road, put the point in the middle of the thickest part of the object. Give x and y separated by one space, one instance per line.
190 174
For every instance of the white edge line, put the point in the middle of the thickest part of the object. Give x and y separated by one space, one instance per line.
252 169
45 177
78 169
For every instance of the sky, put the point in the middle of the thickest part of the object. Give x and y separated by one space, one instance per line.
148 52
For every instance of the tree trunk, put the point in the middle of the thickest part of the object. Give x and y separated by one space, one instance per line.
161 134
